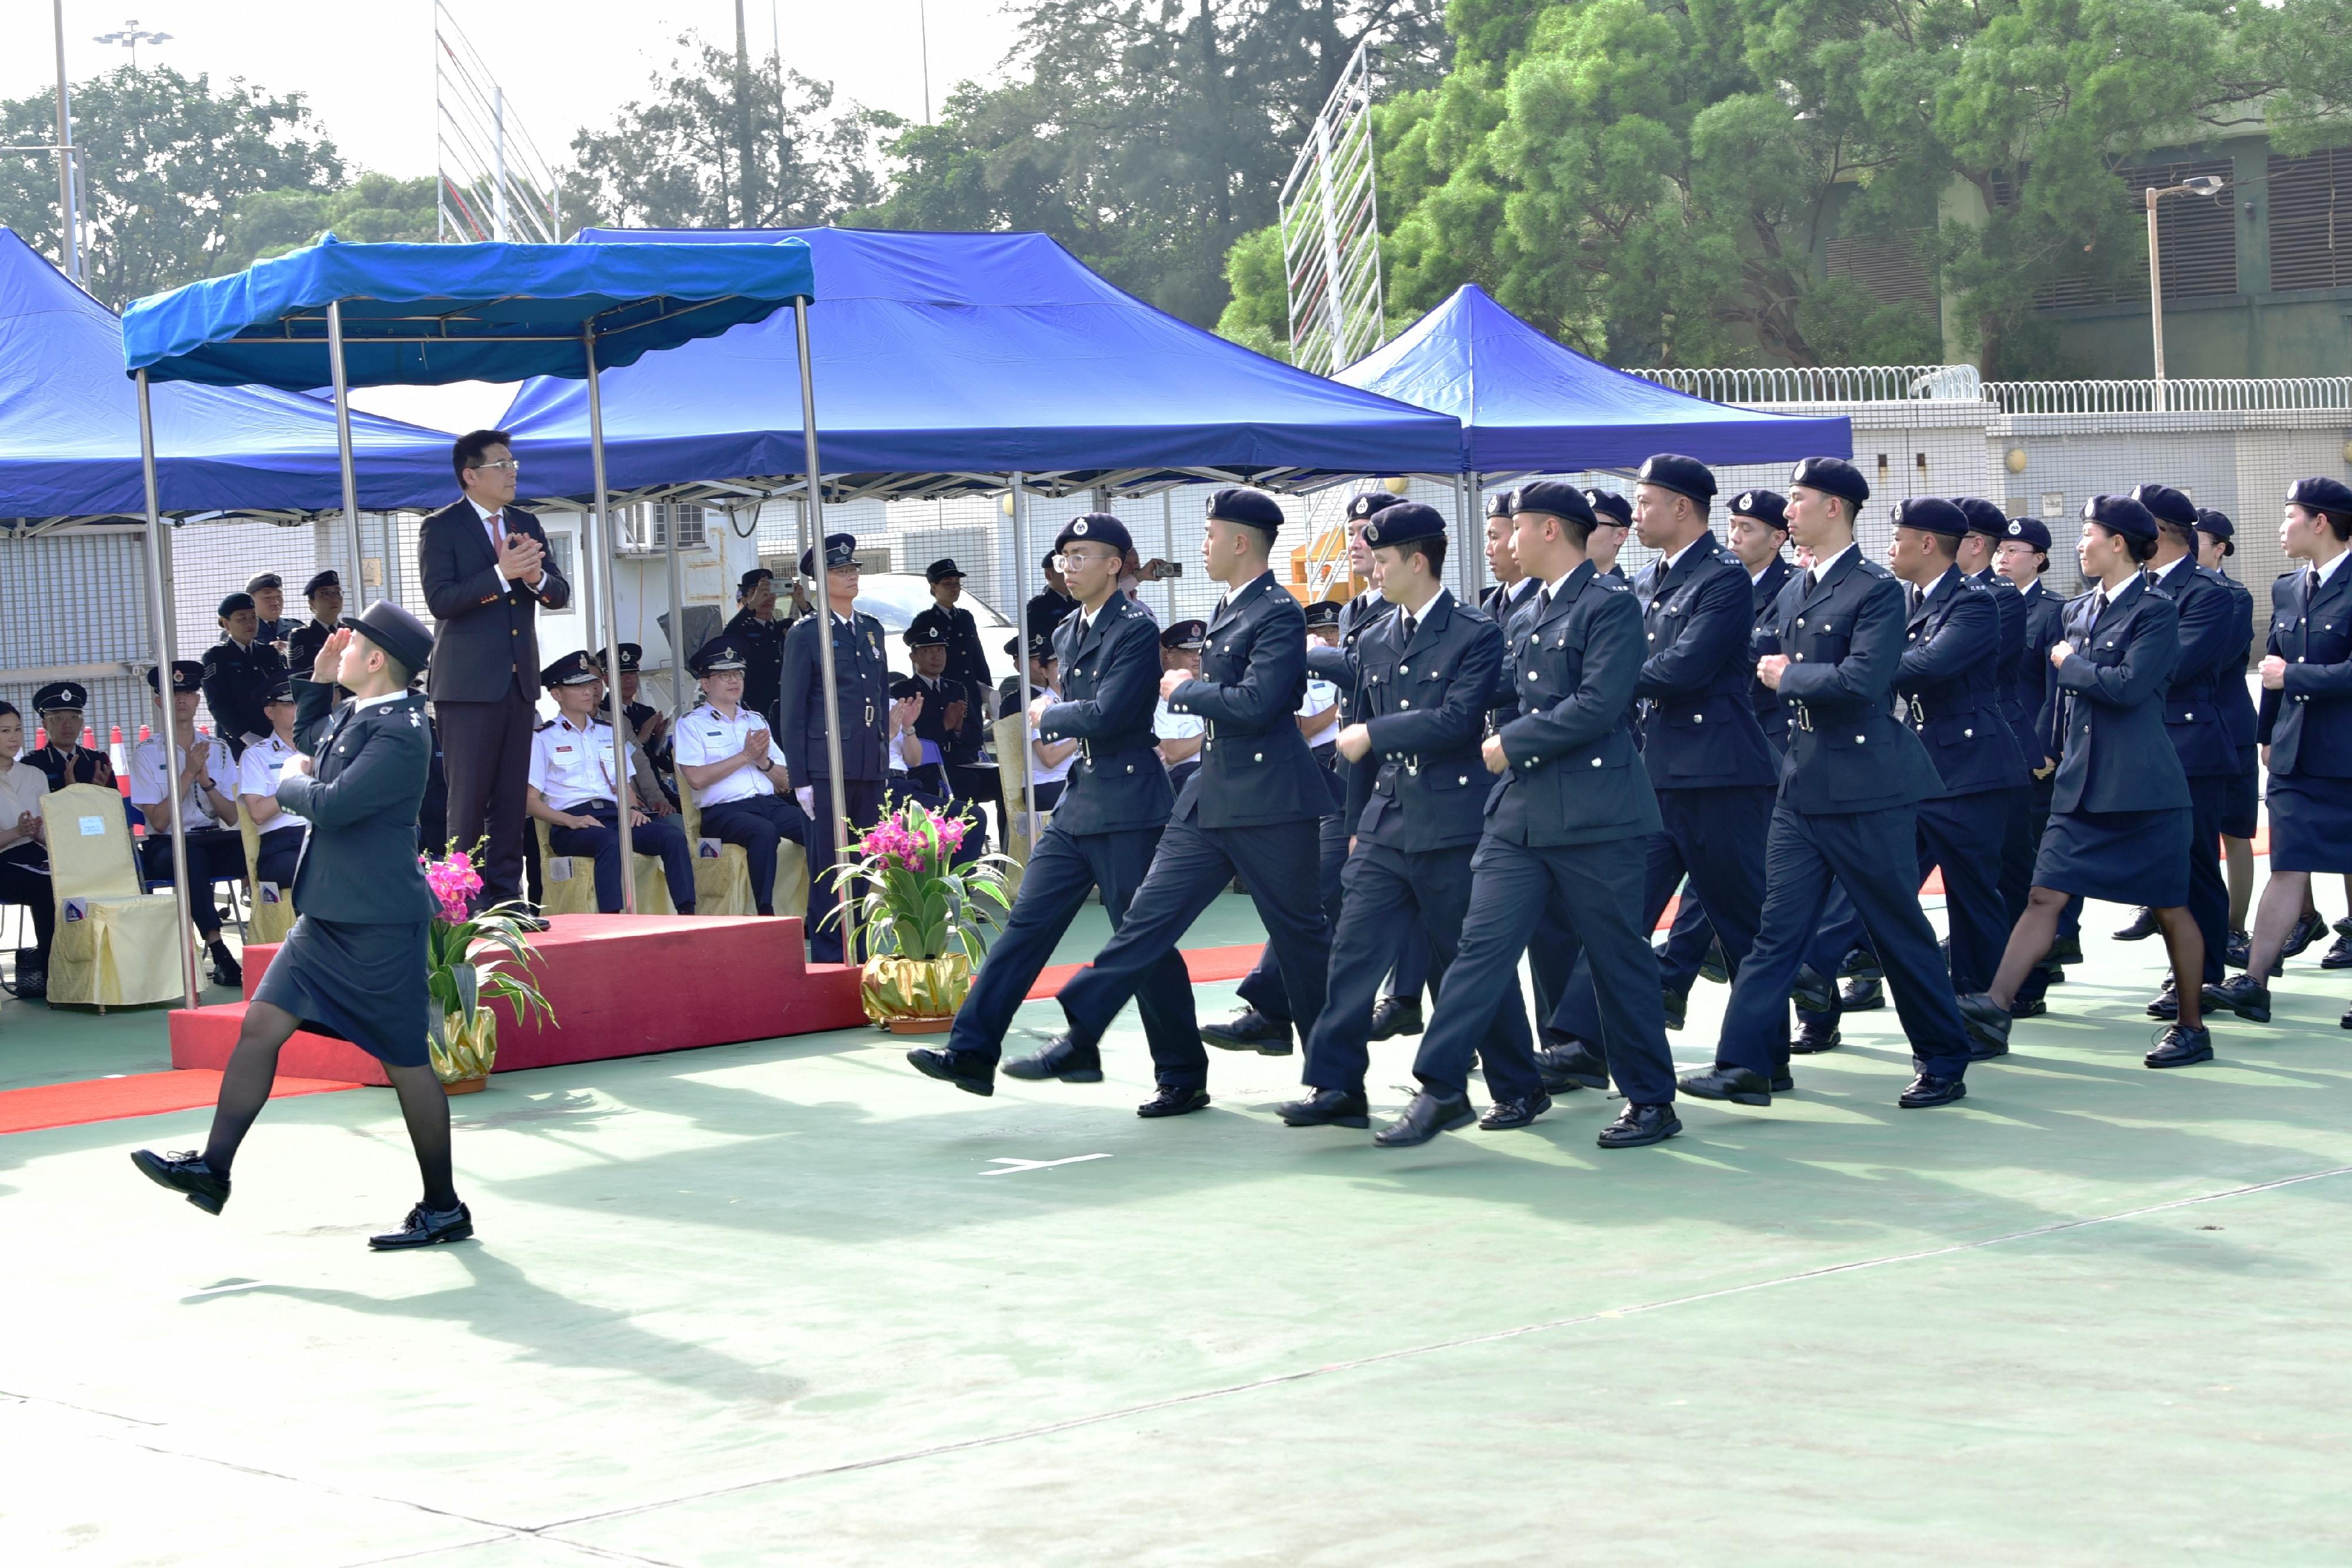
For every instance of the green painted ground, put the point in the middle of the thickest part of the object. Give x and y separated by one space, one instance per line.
769 1303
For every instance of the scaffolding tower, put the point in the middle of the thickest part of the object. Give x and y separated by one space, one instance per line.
1331 231
494 183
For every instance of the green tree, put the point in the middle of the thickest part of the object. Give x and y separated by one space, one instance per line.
373 207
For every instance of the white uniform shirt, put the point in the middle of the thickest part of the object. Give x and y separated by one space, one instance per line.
570 766
1059 770
151 784
1168 724
258 772
21 788
1321 697
704 738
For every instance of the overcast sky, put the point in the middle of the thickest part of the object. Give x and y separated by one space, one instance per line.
366 66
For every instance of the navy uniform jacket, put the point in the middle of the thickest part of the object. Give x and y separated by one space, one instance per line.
1698 726
2109 702
931 724
1502 607
277 630
80 766
2308 724
1255 767
1425 704
1573 778
1110 690
2214 635
1046 610
2237 704
762 643
485 631
1844 637
1949 683
368 772
2027 699
1763 591
237 681
2009 635
861 680
1357 616
968 668
303 644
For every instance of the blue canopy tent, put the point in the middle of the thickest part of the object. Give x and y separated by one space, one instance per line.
336 314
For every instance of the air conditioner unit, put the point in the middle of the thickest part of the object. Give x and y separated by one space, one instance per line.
646 527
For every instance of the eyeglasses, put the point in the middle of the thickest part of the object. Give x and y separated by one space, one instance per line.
510 465
1070 557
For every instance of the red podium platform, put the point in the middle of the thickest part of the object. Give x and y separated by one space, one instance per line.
621 985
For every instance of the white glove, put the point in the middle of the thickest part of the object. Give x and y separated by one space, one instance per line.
806 795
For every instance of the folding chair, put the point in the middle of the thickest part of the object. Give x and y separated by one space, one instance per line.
568 882
273 906
722 872
116 946
1022 825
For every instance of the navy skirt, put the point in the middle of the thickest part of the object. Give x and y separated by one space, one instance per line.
2118 857
2311 824
364 984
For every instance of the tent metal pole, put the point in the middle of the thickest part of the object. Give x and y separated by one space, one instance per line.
678 624
1028 692
606 557
1462 510
812 536
343 455
1168 551
167 736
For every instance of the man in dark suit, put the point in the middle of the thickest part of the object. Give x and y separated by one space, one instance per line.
859 705
487 571
1847 809
1248 813
1104 829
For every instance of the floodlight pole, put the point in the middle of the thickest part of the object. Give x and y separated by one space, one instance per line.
622 793
68 228
813 540
157 605
1028 693
335 368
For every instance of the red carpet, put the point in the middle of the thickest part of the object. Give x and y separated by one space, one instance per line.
140 1094
1203 963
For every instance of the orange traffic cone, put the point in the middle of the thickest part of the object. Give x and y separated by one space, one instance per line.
120 760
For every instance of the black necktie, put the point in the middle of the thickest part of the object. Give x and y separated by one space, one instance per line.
1918 598
1409 624
1813 578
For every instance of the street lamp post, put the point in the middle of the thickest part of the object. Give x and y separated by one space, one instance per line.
2201 186
131 37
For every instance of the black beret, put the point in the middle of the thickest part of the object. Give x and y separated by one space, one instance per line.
2321 494
1931 514
632 658
1041 646
1609 504
929 629
1552 496
328 579
265 580
233 604
1368 502
2166 505
1255 508
1832 476
1095 528
2029 531
840 549
187 675
1403 523
61 696
1322 612
1498 505
1766 506
715 657
396 632
752 579
1984 518
2218 525
1188 635
1683 475
2120 514
943 567
280 692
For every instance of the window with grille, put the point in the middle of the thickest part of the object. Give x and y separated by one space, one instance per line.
2199 236
647 524
559 551
2311 220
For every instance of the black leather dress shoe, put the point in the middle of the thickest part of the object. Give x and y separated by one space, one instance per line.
187 1173
2237 952
2338 955
1326 1108
533 923
1861 964
2180 1046
1504 1114
1063 1058
1928 1091
1428 1116
1677 1008
1812 992
1782 1083
2065 950
1735 1084
225 971
1815 1034
1862 995
2021 1008
1250 1030
1395 1016
2143 925
1568 1067
1637 1125
1716 967
972 1073
2307 930
2245 996
426 1228
2345 1021
1988 1023
1173 1101
2166 1004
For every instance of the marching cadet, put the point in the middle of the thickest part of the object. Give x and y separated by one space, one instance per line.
1243 814
2119 813
278 849
201 769
1988 527
2214 631
1847 808
353 961
758 638
1565 835
572 791
2021 557
2241 802
1105 829
2306 726
1178 734
648 729
726 756
1710 771
324 592
1423 681
940 722
62 757
1612 517
1513 588
860 704
271 624
240 673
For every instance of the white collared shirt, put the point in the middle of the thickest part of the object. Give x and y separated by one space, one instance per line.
257 773
1758 575
2320 574
1668 563
705 737
1822 568
571 765
2162 574
150 784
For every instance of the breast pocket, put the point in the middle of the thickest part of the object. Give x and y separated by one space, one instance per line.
1824 639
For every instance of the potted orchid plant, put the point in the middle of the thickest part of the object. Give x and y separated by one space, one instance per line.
473 958
929 914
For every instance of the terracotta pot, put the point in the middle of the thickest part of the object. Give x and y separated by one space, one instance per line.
466 1065
915 995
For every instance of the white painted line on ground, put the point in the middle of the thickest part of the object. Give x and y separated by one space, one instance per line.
1008 1167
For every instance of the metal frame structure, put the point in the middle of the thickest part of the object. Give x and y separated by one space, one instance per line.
1330 220
492 182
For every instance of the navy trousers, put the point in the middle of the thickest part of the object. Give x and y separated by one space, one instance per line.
1594 892
864 800
657 836
1957 837
1275 863
1687 942
1261 988
759 824
1802 855
1053 890
1429 892
2208 890
275 857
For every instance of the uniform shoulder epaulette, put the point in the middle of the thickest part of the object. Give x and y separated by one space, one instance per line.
1613 584
542 724
1469 612
2161 591
1868 567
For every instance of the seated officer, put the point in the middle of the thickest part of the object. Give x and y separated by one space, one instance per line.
648 728
728 759
572 790
279 849
1042 670
1180 734
325 592
201 771
939 723
1319 710
62 755
239 673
